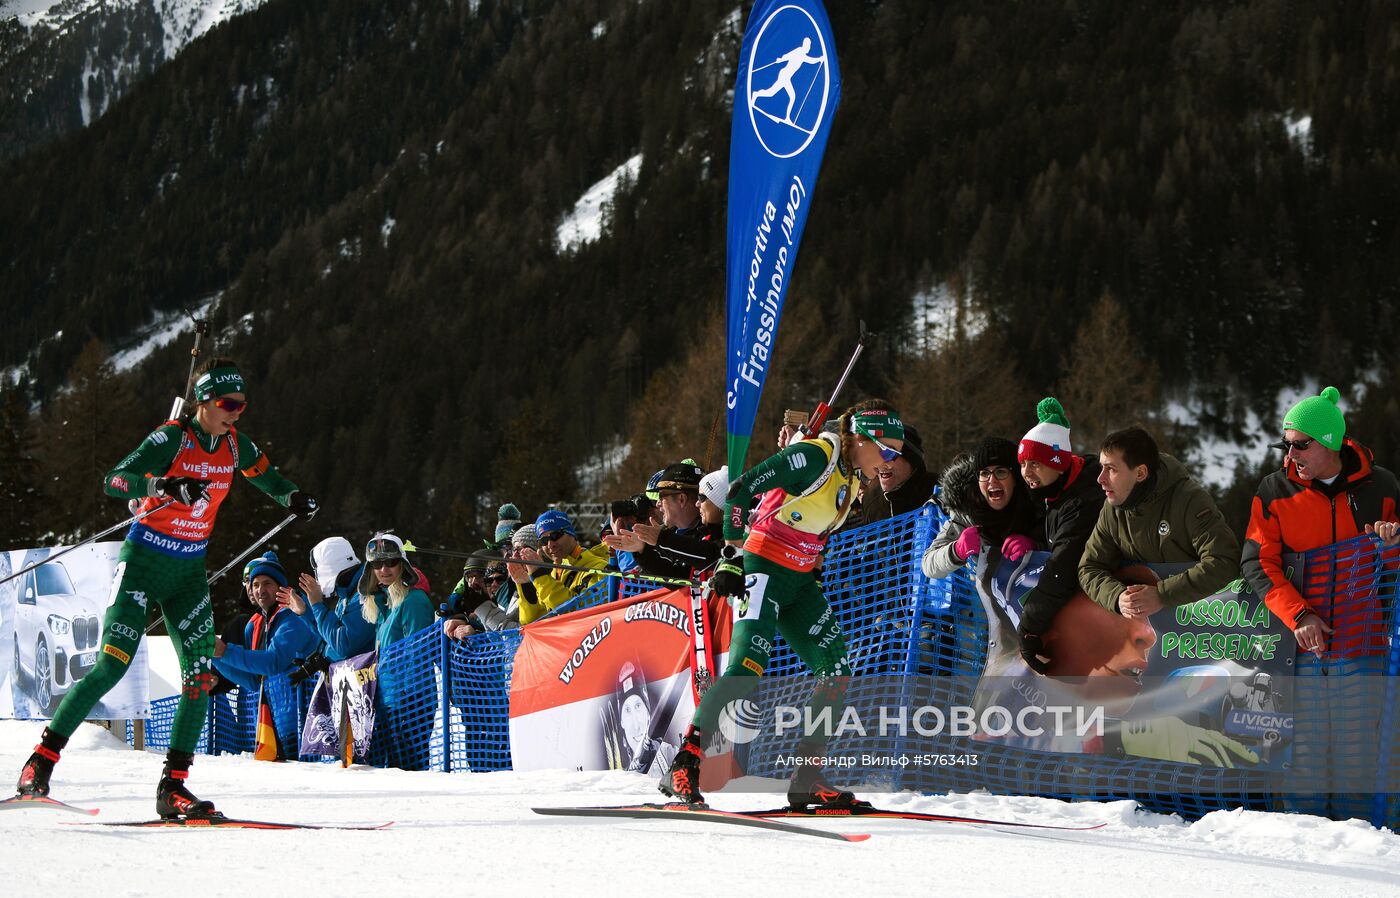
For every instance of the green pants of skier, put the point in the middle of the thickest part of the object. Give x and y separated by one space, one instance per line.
178 586
791 603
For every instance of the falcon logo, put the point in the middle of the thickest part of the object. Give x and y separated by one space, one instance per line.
1164 529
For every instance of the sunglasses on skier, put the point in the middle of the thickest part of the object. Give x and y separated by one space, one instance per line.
230 405
886 453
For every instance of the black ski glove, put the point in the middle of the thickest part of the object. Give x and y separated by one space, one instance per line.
1033 650
185 490
303 504
729 576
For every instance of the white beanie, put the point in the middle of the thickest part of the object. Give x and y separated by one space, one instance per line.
714 486
330 557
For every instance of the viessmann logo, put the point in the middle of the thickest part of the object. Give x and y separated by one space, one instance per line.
789 81
204 469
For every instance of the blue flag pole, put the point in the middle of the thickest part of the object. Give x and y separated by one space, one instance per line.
785 98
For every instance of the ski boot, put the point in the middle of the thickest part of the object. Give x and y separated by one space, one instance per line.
34 776
682 780
810 790
173 800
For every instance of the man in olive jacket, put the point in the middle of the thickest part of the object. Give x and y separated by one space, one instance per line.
1155 513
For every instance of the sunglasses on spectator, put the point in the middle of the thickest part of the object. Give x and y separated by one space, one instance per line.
999 473
386 562
886 453
231 405
496 578
550 537
1296 445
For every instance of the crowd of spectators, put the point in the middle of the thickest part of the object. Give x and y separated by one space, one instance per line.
1093 513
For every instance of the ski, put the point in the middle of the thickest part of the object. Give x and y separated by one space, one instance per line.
20 802
232 823
686 812
882 814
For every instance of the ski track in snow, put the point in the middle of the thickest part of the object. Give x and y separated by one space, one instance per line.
475 834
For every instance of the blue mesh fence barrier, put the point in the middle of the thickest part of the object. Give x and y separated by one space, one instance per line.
478 705
911 640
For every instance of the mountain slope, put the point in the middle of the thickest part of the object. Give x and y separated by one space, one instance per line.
374 191
63 65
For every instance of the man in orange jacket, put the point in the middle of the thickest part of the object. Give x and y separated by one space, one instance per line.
1328 491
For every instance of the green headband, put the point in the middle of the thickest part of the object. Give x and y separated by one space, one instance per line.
218 382
878 423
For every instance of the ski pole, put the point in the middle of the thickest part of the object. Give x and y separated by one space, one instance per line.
252 548
244 554
819 415
96 536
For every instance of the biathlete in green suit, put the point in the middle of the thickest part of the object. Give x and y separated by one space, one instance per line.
181 474
808 489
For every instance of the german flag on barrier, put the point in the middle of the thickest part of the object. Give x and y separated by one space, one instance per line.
265 748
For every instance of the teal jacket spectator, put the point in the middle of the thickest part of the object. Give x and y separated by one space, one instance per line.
389 599
395 620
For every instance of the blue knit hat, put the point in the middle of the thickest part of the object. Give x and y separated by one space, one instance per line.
268 565
553 521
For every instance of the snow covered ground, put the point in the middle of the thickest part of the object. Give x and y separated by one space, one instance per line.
475 834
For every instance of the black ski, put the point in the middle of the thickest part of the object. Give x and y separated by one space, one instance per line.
20 802
880 813
232 823
710 815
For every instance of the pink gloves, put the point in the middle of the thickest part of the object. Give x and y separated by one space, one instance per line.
1016 545
969 543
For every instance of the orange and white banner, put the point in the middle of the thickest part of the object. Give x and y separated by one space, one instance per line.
607 688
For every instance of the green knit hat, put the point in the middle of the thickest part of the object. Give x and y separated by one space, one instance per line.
218 382
1319 418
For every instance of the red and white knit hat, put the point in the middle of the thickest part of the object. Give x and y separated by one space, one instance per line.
1048 441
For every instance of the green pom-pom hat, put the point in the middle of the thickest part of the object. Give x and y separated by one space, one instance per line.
1320 418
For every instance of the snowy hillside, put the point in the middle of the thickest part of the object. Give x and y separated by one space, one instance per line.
181 20
73 60
476 834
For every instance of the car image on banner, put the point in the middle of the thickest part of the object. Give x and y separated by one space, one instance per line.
56 634
51 621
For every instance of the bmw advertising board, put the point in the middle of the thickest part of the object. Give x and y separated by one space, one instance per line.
51 633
